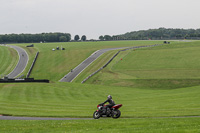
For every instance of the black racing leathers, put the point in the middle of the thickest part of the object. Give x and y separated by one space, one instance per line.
111 103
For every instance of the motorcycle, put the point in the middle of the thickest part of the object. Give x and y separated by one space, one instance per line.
110 112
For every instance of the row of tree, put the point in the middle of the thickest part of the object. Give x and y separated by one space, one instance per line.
156 34
43 37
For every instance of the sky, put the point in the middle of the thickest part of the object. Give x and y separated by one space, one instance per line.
96 17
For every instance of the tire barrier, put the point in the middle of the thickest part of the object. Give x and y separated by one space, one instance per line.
30 70
114 57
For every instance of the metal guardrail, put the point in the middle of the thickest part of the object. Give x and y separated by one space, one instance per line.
114 57
30 70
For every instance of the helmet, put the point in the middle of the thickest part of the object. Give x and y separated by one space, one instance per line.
109 97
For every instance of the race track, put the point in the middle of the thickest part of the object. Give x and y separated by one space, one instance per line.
23 60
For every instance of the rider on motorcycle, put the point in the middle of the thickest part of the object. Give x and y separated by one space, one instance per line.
110 101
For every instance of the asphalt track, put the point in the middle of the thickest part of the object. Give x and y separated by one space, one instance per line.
76 71
23 60
39 118
47 118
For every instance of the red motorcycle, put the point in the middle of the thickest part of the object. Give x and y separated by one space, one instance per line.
102 112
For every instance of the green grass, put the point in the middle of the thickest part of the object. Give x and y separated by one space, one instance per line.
79 100
163 62
151 83
169 66
8 60
142 94
152 125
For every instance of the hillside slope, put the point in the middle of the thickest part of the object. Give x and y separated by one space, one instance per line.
169 66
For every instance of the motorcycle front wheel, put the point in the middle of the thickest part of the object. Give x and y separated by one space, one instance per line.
96 115
116 114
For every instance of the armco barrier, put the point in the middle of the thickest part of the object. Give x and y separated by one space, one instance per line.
30 70
114 57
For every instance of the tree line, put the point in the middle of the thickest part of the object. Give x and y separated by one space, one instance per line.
34 38
156 34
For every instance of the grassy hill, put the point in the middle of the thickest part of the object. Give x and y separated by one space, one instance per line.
8 60
80 100
149 74
153 84
169 66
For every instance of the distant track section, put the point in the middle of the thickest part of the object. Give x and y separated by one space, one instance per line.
23 61
76 71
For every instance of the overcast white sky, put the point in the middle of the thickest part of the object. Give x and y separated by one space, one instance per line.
96 17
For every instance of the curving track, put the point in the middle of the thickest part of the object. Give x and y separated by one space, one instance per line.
23 61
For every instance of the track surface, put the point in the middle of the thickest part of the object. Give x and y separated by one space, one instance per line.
75 72
23 60
38 118
46 118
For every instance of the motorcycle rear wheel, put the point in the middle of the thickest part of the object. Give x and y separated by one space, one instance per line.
116 114
96 115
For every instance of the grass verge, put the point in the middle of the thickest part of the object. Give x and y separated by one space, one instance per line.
78 100
8 60
151 125
168 66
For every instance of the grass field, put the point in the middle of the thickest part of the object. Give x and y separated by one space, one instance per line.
151 83
145 107
78 100
8 60
151 125
168 66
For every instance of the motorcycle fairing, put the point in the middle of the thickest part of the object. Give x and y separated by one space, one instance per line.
117 106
